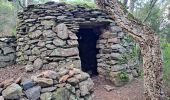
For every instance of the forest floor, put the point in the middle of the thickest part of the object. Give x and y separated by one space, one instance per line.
131 91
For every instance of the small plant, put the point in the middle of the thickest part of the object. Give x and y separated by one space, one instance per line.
123 76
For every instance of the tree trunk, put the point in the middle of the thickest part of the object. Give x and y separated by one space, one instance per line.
125 2
132 5
152 67
149 45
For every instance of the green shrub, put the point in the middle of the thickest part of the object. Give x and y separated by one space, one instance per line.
123 76
86 4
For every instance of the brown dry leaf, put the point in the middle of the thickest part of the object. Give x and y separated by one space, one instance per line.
63 78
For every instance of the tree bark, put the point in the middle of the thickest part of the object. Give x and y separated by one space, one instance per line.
149 45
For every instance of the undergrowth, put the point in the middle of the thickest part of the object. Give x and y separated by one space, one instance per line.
82 3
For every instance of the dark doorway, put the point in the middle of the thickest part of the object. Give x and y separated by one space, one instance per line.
87 38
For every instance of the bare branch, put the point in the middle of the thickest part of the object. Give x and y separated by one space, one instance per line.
152 4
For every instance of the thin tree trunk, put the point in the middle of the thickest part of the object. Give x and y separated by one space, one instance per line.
125 2
149 45
132 5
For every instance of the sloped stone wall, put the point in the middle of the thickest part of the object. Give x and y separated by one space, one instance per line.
67 84
7 51
46 37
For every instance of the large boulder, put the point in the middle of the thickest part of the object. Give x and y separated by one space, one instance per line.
14 91
61 94
33 93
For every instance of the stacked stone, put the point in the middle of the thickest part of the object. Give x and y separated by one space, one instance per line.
67 84
7 51
113 46
46 33
46 36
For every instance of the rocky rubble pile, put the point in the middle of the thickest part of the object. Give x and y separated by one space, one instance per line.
7 51
72 84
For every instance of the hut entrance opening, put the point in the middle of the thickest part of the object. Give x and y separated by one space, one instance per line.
87 38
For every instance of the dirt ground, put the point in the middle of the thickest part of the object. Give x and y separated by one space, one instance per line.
131 91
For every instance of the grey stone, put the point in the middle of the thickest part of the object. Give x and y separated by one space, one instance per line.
26 47
32 58
35 51
48 89
118 47
116 29
61 30
59 42
30 20
7 50
61 94
73 81
38 63
61 17
29 68
41 44
32 28
48 22
134 73
28 52
5 58
115 56
33 41
72 35
71 88
65 52
50 46
49 33
44 82
47 17
72 42
27 84
88 97
33 93
46 96
109 88
50 74
86 87
35 34
116 68
14 91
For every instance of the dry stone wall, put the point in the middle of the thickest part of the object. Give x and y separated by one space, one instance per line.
46 34
7 51
46 38
66 84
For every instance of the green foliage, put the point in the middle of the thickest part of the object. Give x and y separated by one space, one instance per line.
166 57
154 18
123 76
86 4
7 18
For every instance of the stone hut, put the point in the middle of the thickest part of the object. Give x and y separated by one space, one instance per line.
56 35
